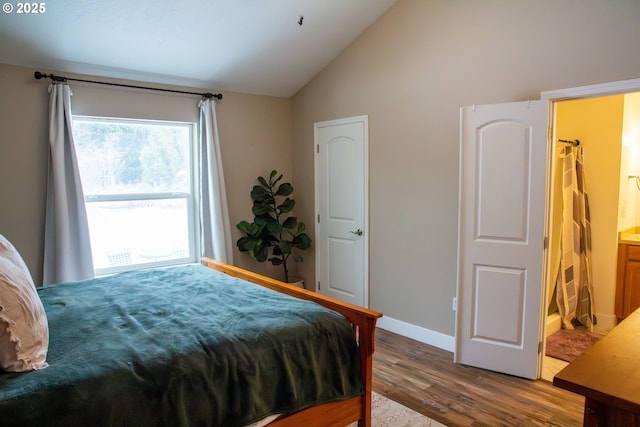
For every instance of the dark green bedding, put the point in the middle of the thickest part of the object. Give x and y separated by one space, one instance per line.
183 346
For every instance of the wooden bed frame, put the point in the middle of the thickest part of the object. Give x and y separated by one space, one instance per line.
335 414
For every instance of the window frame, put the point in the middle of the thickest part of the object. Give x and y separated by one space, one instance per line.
192 198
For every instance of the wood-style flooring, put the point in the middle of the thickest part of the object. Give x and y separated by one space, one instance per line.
425 379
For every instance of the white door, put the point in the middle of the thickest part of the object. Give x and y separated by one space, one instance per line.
341 209
503 186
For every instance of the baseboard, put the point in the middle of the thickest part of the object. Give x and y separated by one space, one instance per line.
418 333
447 342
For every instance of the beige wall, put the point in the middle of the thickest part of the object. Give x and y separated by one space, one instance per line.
255 135
597 123
629 213
411 72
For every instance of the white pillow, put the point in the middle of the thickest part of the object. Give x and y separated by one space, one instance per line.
24 331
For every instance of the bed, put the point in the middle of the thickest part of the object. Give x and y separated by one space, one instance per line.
195 346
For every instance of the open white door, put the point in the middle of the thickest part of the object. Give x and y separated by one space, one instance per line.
341 209
503 185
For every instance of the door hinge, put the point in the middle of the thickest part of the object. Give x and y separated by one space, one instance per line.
540 347
319 287
317 148
545 244
318 218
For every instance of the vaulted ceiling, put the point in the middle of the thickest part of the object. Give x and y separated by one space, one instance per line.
249 46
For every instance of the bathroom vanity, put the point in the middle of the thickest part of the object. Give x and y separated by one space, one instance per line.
628 280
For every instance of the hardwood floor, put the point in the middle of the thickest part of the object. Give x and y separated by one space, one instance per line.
425 379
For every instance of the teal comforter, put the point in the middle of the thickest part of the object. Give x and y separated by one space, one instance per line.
183 346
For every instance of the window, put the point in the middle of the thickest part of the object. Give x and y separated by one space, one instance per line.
139 186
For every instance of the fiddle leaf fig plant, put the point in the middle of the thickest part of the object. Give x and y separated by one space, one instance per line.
274 234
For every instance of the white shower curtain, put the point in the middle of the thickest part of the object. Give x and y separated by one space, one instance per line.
67 247
215 227
575 293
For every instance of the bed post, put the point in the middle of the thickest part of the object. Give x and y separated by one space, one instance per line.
367 344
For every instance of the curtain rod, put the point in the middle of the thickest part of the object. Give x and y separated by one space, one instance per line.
38 75
575 142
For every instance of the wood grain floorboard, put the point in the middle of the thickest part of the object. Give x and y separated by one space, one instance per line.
425 379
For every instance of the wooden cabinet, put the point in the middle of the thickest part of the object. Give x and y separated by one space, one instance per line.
628 283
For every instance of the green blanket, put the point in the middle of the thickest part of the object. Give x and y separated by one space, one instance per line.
183 346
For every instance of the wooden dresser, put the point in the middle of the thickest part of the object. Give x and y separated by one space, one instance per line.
608 375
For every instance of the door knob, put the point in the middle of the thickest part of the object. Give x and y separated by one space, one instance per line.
358 232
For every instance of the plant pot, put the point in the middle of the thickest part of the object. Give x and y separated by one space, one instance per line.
298 283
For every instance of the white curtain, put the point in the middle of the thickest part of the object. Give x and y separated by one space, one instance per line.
215 227
575 293
67 247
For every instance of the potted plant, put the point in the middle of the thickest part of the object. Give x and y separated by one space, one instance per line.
273 235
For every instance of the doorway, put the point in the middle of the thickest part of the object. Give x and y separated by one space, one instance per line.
475 277
599 123
341 199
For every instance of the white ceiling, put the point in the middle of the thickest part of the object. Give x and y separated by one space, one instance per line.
249 46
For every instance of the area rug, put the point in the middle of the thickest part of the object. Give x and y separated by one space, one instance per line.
387 413
567 344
